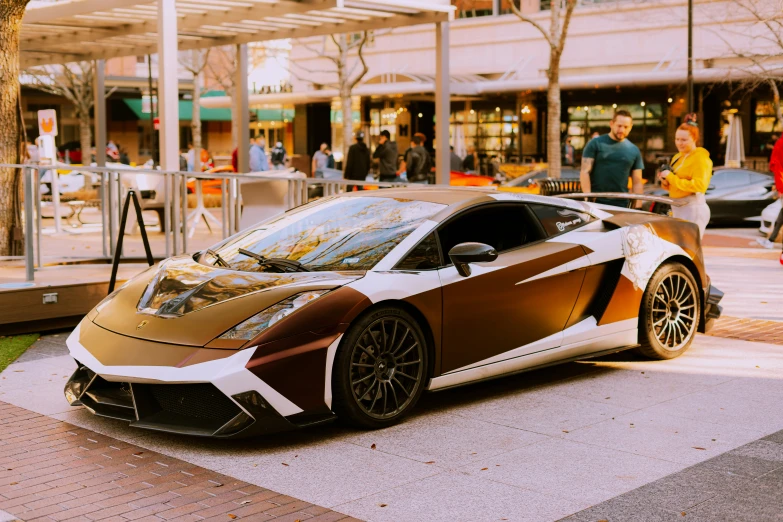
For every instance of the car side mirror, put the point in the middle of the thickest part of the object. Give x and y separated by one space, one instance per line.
465 253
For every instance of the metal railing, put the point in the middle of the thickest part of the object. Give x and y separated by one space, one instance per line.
114 182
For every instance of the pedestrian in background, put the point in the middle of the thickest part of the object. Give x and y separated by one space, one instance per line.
320 158
609 160
776 167
416 161
386 154
470 163
329 158
567 157
258 161
279 156
357 165
455 161
688 176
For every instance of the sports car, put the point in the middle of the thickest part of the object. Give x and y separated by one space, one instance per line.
734 196
352 306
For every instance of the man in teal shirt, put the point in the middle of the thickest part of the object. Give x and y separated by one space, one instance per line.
609 160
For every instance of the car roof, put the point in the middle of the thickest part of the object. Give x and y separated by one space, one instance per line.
442 195
463 197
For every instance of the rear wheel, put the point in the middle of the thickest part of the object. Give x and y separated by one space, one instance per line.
669 314
380 369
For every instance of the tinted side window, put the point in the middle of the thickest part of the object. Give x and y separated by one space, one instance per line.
424 256
557 220
501 226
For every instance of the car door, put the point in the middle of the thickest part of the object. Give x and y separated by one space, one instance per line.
510 303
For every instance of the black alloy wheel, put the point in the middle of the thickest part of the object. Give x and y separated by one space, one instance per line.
670 311
380 369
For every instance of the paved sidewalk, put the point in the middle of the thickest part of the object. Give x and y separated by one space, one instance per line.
749 330
53 471
745 484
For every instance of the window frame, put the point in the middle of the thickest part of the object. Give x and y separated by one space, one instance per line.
592 218
446 262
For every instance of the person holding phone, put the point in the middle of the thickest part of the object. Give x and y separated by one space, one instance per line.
688 176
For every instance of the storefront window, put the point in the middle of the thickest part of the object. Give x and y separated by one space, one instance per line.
649 132
493 132
766 121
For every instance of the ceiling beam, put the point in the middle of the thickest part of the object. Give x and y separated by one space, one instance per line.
61 10
184 24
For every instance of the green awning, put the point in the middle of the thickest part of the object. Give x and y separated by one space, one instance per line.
186 112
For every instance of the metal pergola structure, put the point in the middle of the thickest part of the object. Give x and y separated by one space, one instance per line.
81 30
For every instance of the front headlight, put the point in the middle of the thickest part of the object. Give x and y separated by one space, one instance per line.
262 320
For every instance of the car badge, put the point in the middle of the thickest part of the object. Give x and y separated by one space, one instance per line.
141 325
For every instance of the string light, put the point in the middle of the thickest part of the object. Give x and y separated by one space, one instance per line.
643 104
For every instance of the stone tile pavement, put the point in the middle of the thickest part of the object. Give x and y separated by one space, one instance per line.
744 484
51 470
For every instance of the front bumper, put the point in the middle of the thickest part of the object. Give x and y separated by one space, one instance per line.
711 310
216 398
199 409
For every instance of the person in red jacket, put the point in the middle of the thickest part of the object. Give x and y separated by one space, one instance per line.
776 167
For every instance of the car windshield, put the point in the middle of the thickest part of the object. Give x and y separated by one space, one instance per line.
343 233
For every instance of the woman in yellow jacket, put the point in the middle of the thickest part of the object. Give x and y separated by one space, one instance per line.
689 175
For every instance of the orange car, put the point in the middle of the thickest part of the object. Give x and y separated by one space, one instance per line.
210 186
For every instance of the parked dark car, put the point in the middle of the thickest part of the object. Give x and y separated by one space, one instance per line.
734 195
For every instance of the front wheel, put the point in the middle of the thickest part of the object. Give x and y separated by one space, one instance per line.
669 314
380 369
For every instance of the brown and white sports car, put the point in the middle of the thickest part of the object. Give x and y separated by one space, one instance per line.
352 306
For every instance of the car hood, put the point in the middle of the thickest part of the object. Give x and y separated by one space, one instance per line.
188 303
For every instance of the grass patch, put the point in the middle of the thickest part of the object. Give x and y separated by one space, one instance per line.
13 346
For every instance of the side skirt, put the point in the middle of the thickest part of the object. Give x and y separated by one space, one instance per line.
609 344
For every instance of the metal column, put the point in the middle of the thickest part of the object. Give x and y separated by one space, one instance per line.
242 111
168 102
442 103
27 179
107 220
243 131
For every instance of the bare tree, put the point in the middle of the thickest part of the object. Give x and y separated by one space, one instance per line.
759 42
11 13
196 63
221 69
74 82
346 74
561 11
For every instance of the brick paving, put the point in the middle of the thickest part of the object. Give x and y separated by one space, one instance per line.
53 471
756 330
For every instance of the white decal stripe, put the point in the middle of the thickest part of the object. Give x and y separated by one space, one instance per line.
229 374
330 353
579 349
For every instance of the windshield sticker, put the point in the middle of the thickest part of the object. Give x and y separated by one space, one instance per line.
562 225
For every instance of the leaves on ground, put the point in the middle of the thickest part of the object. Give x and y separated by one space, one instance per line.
373 446
232 516
698 448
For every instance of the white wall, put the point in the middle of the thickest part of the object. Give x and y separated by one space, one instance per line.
622 37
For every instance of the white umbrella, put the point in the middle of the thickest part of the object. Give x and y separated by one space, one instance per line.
735 147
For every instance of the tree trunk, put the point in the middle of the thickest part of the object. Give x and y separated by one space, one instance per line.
11 13
553 117
345 103
85 136
776 101
195 122
553 93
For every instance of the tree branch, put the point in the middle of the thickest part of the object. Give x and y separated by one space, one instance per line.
532 22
